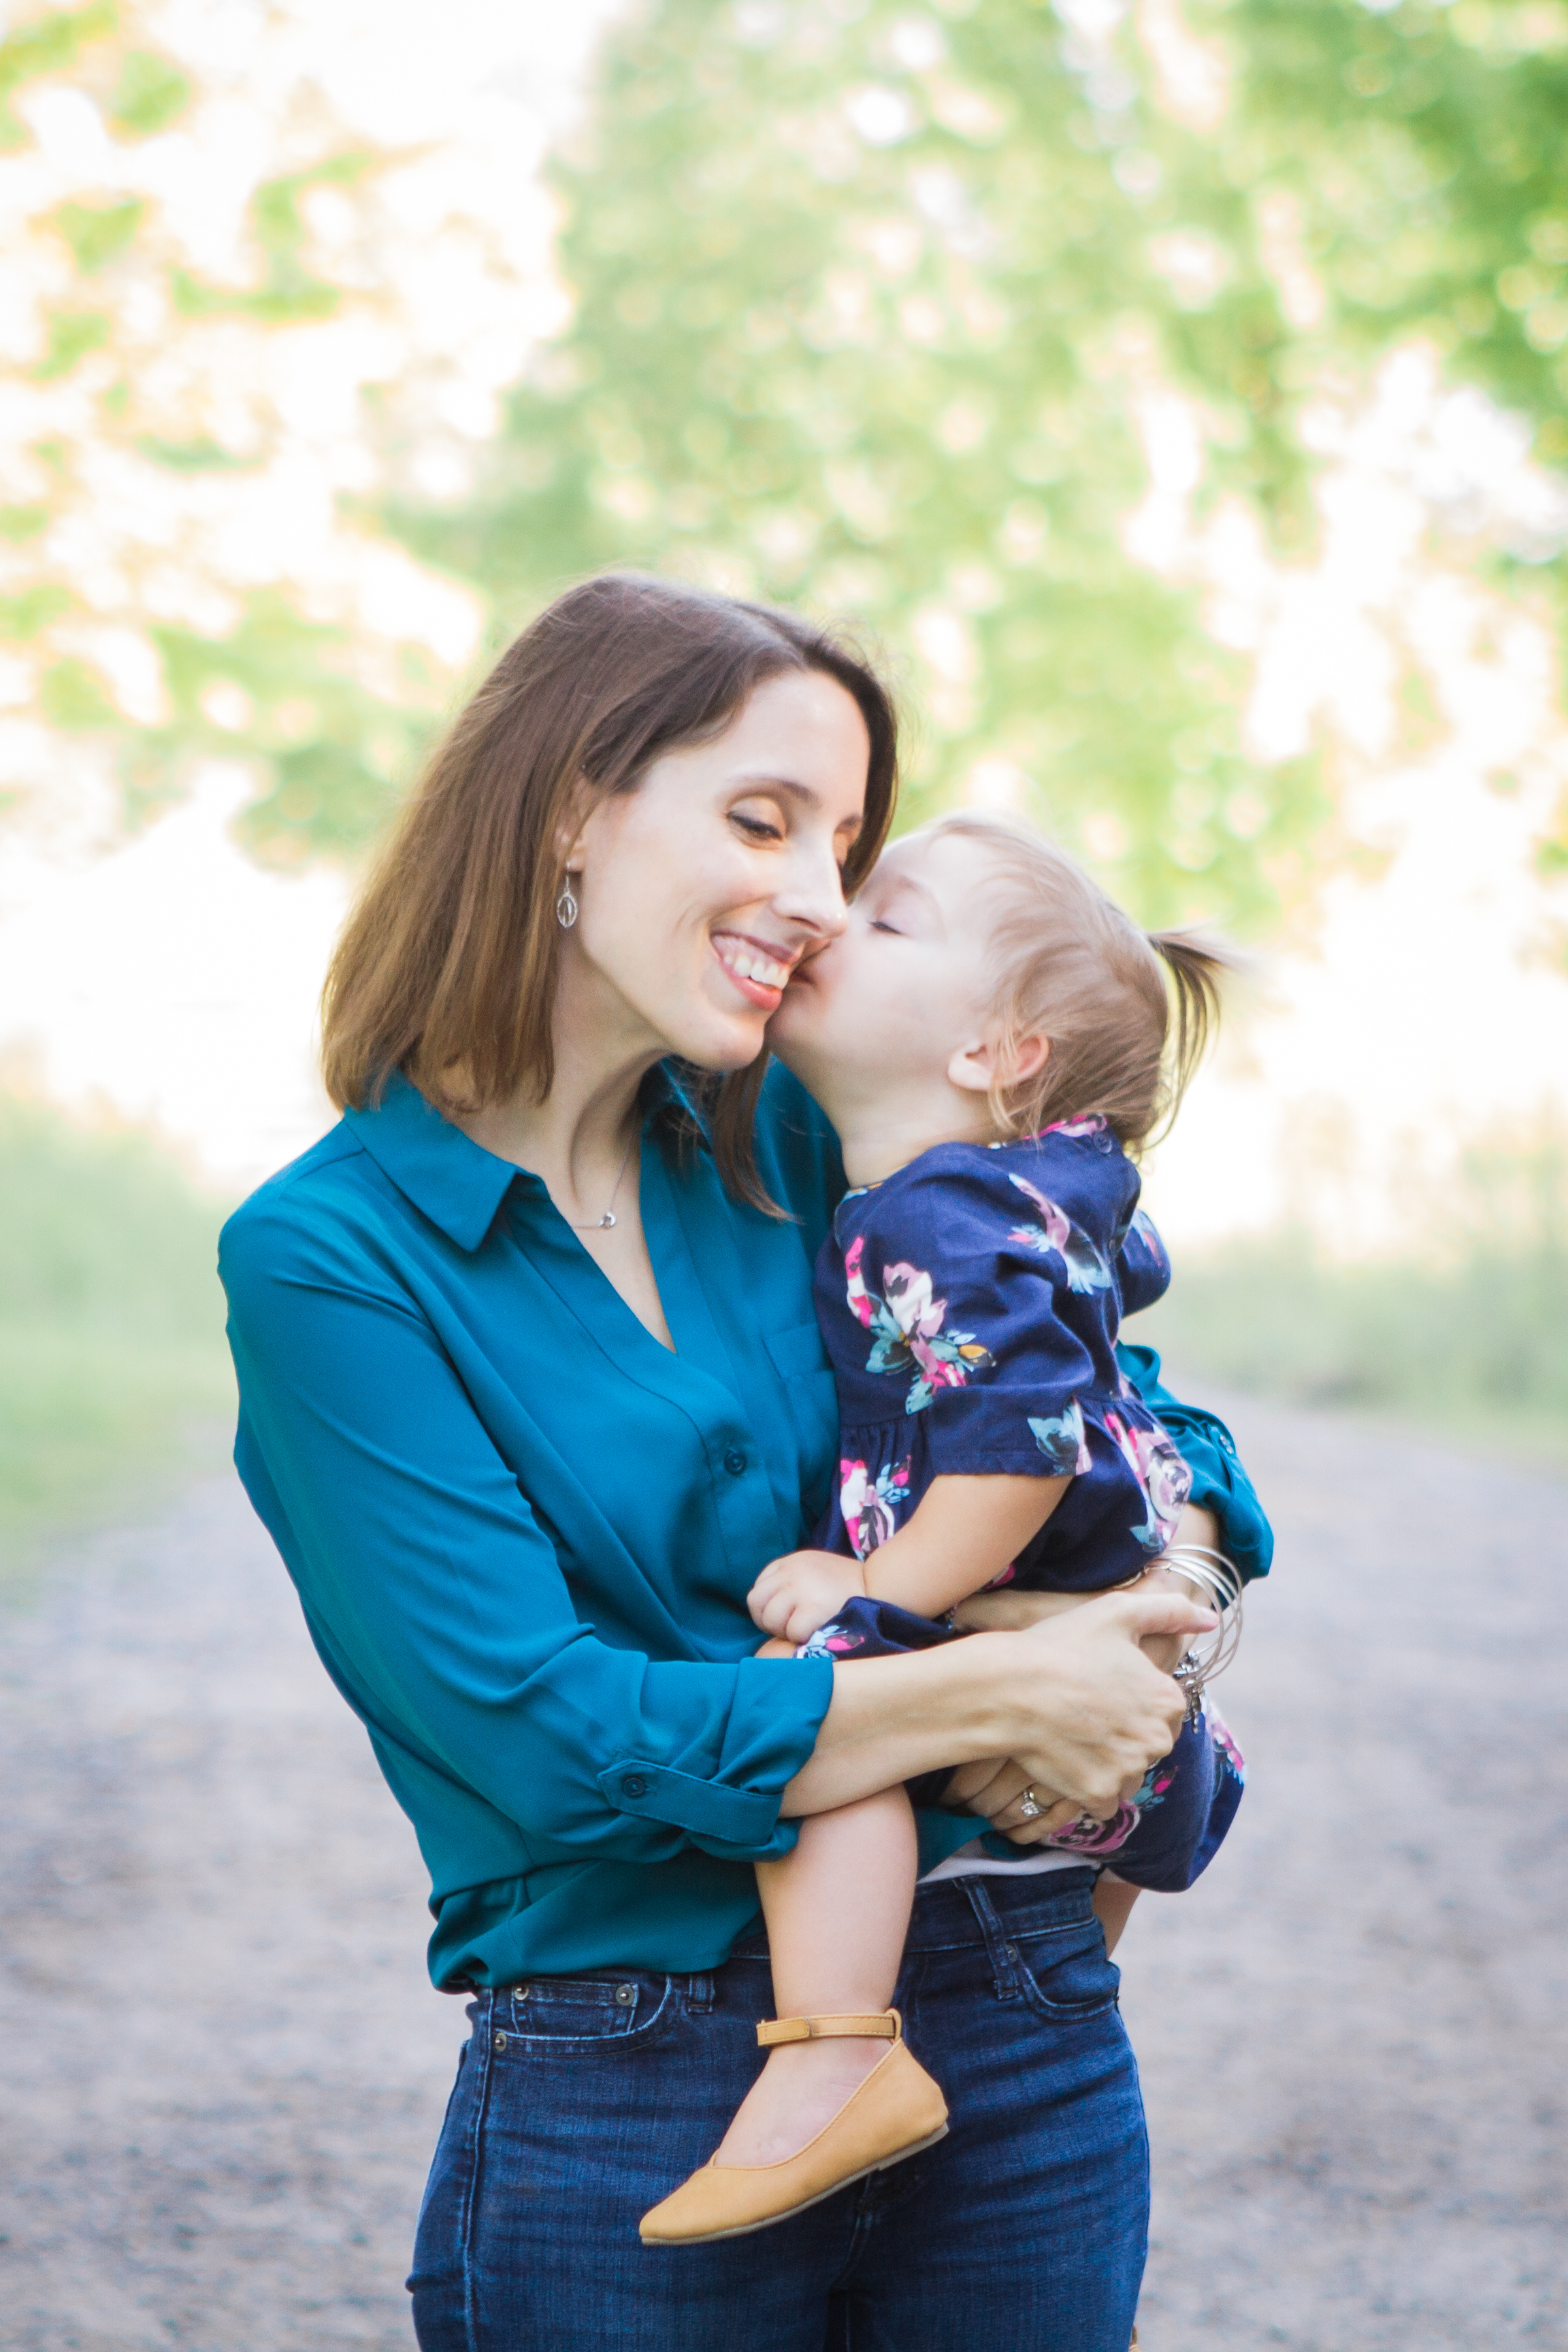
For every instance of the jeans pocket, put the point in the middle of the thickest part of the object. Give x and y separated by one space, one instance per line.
580 2013
1068 1975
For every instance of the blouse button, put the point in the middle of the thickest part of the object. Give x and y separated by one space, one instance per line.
634 1785
734 1461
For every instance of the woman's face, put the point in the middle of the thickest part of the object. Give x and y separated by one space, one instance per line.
701 889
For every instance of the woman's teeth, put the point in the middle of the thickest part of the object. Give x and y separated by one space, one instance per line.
746 965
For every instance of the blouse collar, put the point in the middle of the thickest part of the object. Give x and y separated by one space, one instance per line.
449 1178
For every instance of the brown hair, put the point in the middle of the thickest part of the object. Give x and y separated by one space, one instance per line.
1129 1013
449 956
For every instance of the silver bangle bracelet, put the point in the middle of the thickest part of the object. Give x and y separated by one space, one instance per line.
1219 1579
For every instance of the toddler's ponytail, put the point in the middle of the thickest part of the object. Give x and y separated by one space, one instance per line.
1129 1013
1195 966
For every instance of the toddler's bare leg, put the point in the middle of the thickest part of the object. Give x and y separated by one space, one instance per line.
1112 1900
838 1909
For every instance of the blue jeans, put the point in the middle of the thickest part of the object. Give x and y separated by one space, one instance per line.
581 2100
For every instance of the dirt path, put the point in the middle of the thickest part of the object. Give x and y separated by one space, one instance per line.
223 2070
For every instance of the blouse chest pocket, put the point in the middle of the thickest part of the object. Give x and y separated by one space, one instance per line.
800 1359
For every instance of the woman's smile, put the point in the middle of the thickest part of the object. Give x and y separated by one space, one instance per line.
760 972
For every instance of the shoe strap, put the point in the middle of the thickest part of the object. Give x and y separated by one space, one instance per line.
882 2025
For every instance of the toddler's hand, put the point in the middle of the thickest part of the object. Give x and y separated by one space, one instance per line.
794 1595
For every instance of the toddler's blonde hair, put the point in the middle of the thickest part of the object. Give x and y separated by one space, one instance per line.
1129 1013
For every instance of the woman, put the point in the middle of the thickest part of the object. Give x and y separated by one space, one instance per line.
530 1389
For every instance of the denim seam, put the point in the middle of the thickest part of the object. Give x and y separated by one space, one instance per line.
475 2157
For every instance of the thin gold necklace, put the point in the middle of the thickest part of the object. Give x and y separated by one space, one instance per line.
599 1224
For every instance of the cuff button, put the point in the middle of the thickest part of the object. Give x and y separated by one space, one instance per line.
634 1785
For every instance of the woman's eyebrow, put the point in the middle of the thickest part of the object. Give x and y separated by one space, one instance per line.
761 780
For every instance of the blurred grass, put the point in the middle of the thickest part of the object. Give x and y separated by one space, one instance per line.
1468 1341
114 1374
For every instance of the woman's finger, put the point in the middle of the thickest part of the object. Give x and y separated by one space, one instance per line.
1033 1804
969 1779
1051 1823
1002 1790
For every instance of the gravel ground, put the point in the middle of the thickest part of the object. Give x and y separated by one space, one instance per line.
223 2070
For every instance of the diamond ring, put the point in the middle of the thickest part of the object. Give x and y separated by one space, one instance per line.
1029 1805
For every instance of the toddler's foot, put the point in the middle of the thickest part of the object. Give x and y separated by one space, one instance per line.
800 2089
806 2129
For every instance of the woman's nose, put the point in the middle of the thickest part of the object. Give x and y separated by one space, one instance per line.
812 892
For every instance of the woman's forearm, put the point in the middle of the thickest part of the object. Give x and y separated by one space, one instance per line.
1074 1699
891 1718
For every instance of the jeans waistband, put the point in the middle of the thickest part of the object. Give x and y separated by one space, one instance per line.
960 1911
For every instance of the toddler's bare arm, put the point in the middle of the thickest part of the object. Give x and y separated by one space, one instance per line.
961 1535
964 1533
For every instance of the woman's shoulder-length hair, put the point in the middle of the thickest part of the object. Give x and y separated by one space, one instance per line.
447 962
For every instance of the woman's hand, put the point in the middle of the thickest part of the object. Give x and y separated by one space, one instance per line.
794 1595
1073 1702
1117 1704
994 1790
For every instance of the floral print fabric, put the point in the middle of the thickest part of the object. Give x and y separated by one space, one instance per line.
970 1305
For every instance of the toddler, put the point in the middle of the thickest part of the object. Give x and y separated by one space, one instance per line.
987 1036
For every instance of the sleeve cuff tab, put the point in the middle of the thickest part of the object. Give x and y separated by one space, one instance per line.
707 1808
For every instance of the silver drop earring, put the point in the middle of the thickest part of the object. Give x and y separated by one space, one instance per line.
566 906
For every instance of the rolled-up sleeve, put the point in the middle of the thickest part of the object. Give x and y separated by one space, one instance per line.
1220 1483
438 1599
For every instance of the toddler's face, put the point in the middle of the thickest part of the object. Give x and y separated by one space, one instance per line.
905 986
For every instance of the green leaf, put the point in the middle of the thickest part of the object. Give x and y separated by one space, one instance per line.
72 334
27 614
98 234
45 46
72 698
150 93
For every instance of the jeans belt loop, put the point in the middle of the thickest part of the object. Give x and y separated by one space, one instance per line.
699 1994
1003 1954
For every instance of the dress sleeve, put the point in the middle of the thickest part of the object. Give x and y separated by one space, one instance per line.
435 1597
1220 1484
1143 1267
960 1309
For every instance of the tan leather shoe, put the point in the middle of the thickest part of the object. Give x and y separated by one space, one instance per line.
896 2112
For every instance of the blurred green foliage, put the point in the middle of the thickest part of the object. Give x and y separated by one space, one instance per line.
1470 1342
113 1369
866 297
262 680
862 309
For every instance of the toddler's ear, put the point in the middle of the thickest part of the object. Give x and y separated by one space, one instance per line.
993 1061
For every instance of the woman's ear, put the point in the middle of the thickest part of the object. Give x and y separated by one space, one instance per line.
994 1060
575 810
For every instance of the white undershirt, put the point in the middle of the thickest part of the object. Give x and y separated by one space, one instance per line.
972 1861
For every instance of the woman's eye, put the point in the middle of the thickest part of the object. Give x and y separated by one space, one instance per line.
756 827
891 928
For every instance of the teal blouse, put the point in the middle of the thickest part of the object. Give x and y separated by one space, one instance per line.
523 1531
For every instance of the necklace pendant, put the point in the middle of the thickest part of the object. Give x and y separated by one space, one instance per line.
605 1219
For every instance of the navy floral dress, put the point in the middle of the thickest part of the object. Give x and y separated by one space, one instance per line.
971 1305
